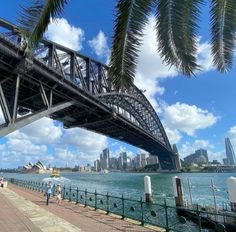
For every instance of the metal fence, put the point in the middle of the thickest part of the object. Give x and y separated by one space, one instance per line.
166 217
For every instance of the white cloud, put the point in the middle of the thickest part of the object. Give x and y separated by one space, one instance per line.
26 147
188 118
150 68
173 135
61 32
204 56
43 131
188 148
216 155
88 143
99 45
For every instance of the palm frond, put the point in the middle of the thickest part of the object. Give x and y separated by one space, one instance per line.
35 17
223 28
131 17
177 33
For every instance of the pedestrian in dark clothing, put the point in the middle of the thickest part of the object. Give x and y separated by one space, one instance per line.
48 192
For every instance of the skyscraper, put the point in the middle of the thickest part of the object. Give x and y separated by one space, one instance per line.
229 152
105 159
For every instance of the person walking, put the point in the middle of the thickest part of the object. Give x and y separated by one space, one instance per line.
2 182
58 193
48 191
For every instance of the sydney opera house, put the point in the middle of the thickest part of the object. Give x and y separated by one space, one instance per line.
38 167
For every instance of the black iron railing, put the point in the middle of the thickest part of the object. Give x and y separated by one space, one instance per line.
167 217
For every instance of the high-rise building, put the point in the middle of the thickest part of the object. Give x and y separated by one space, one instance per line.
105 159
137 161
113 163
199 157
229 152
124 159
97 165
143 160
202 154
120 162
151 159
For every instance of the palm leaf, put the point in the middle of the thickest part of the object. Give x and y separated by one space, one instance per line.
34 19
177 33
131 17
223 28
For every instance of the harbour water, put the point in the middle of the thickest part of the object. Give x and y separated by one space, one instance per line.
132 184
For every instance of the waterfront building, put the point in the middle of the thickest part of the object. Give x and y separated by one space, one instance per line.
202 154
143 160
137 161
97 166
124 160
113 163
120 162
229 152
38 167
87 168
152 159
104 159
215 162
128 162
199 157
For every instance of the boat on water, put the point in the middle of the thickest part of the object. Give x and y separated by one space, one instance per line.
55 173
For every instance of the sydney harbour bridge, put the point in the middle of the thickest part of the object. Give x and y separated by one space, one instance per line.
74 89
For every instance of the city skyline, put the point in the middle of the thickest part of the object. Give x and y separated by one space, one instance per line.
195 112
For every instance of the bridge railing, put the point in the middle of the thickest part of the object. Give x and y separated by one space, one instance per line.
161 215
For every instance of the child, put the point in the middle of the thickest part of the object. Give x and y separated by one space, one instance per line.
58 193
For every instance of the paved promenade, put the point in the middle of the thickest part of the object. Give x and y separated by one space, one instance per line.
25 210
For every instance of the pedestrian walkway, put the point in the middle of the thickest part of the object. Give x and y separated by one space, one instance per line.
11 219
67 216
29 213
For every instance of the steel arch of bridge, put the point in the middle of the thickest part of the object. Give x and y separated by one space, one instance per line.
55 76
135 107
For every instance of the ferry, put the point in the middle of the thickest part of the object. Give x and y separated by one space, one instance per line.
55 173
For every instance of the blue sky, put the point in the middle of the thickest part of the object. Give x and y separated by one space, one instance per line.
197 113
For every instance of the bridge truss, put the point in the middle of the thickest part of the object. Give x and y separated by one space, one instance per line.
67 86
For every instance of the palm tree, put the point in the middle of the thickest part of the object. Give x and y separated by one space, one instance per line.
35 18
177 23
177 34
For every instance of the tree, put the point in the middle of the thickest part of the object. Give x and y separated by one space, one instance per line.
177 23
35 18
